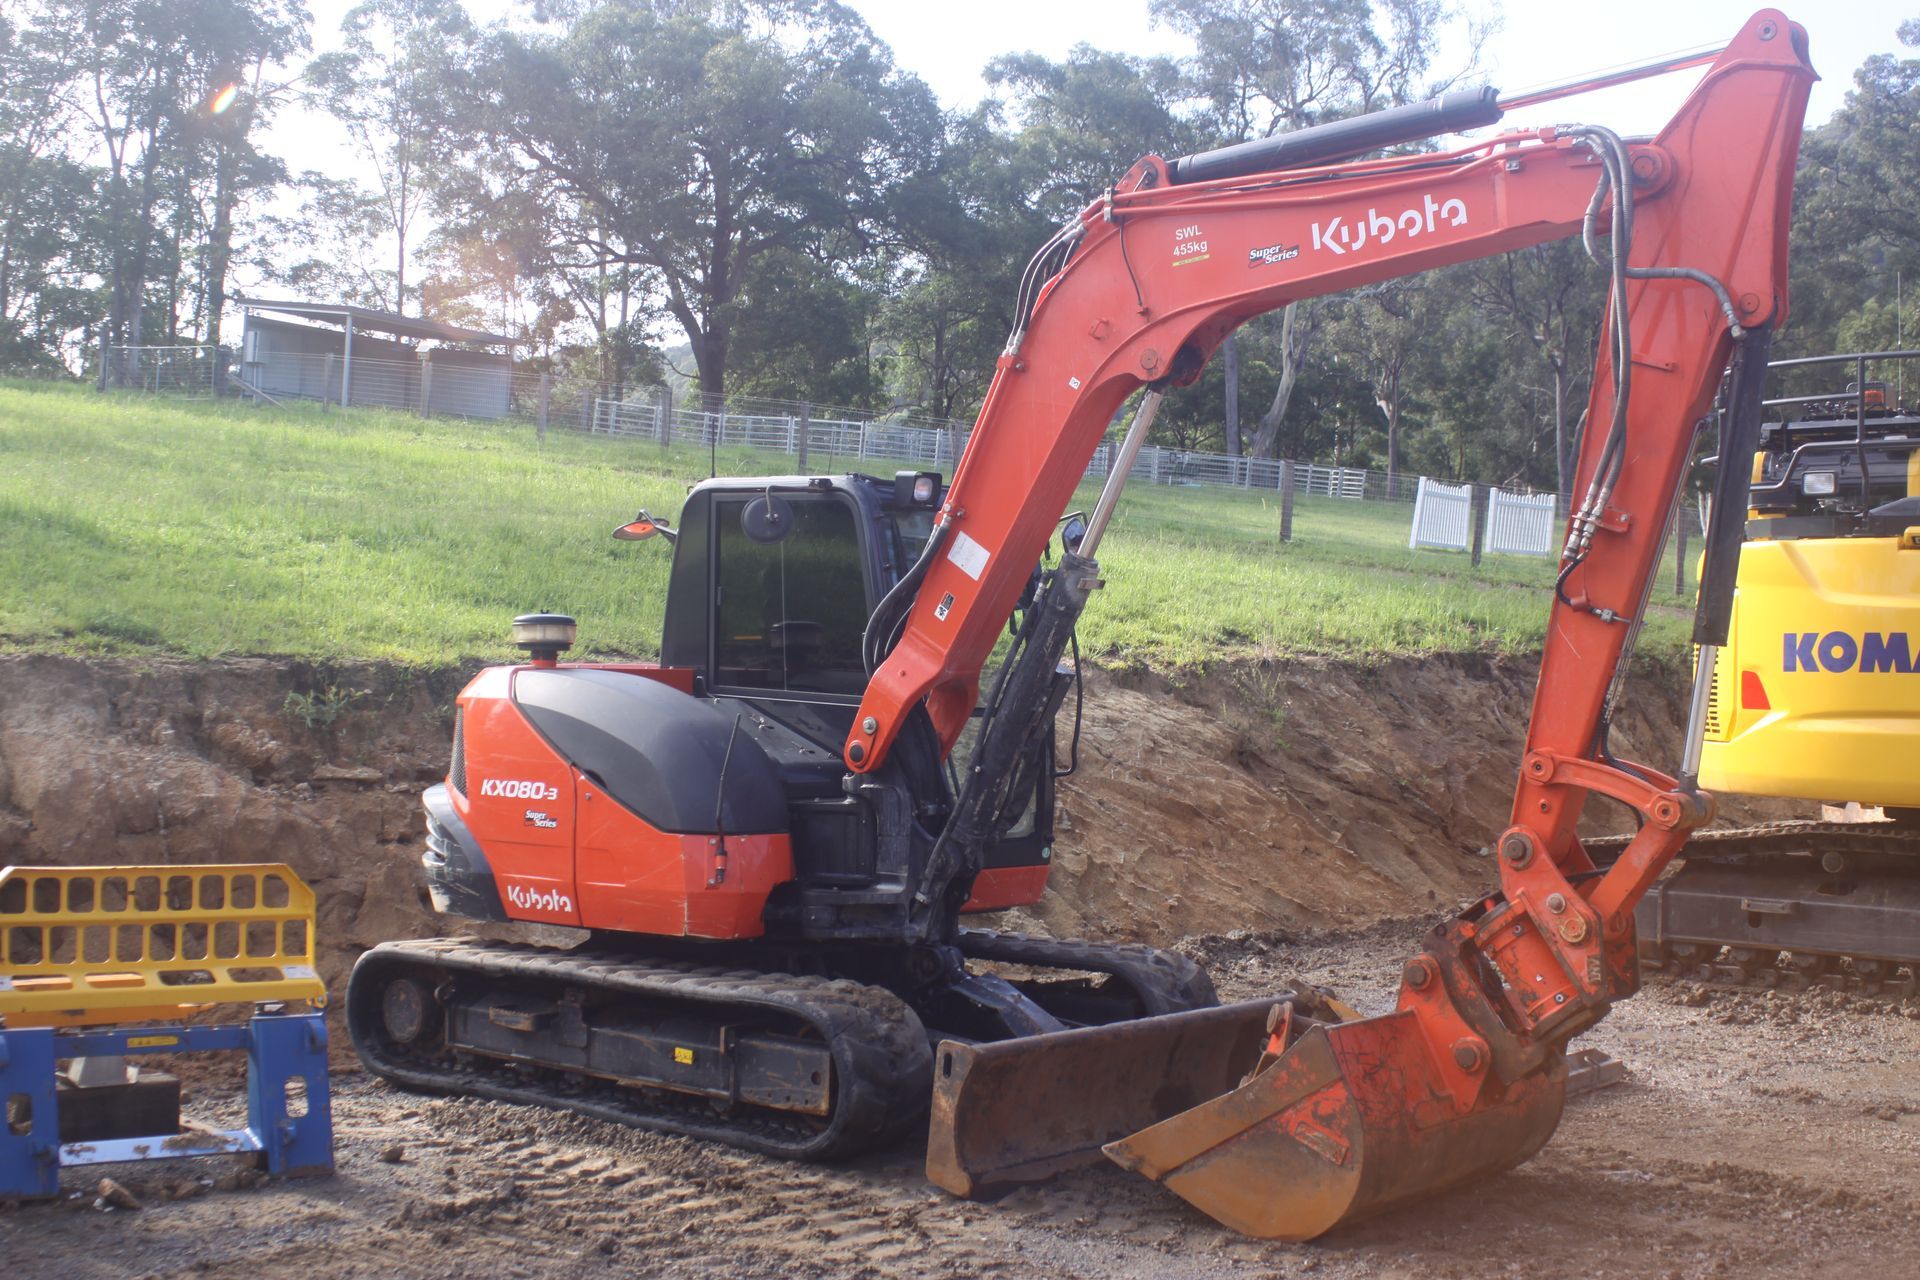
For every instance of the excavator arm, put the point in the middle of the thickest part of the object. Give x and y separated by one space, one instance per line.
1466 1076
1143 286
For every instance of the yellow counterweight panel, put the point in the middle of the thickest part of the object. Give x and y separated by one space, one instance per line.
1826 634
83 946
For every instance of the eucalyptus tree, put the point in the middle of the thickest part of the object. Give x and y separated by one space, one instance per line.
1048 139
1856 221
46 196
154 88
1263 67
381 84
1548 299
692 141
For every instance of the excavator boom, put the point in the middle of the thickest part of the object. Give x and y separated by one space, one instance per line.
1343 1118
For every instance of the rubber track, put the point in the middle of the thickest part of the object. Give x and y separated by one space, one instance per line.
1164 982
882 1063
1793 837
1894 995
1782 837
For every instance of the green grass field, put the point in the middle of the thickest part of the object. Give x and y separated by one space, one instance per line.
143 524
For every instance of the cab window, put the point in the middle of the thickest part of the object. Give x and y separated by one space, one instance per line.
789 614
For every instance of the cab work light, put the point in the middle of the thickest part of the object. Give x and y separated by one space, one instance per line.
916 488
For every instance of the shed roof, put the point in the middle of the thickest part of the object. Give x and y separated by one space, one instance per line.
338 313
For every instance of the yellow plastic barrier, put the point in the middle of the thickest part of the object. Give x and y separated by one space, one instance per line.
88 946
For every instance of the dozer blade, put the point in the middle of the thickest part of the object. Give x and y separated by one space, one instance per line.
1354 1118
1018 1111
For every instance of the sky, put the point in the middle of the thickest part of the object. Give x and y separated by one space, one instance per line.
1537 43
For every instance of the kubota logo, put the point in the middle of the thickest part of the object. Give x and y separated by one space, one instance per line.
1837 651
539 899
518 789
1341 237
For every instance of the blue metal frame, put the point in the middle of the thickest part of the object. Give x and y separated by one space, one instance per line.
280 1048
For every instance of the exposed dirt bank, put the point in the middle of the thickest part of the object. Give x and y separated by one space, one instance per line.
248 760
1309 793
1298 794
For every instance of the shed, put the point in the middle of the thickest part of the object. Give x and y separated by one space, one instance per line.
355 355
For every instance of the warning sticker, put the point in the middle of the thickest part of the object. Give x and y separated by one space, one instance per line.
969 555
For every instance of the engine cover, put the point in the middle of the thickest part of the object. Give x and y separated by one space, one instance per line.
606 799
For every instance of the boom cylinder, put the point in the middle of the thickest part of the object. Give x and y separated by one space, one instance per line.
1344 139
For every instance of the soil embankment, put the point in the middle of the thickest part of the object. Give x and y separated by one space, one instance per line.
250 760
1306 793
1279 795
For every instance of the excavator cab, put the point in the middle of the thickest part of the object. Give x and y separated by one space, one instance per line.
1813 696
773 580
768 601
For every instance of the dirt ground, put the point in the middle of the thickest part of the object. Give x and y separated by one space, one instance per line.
1335 810
1756 1136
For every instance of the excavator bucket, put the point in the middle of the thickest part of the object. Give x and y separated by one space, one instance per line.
1019 1111
1351 1119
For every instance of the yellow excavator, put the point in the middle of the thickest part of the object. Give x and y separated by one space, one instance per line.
1816 696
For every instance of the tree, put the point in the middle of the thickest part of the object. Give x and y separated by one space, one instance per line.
1856 224
694 140
1077 124
46 199
1273 66
148 76
1550 296
805 332
380 84
1383 328
329 247
943 327
125 53
1299 321
245 43
1047 143
1483 422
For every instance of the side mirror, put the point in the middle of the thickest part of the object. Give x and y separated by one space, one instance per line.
768 518
644 526
1073 531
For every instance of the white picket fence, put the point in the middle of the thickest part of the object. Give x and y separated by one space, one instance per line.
1518 524
1442 516
1521 524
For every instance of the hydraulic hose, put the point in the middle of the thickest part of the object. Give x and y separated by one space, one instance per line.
876 640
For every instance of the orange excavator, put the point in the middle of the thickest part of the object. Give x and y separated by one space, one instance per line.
772 836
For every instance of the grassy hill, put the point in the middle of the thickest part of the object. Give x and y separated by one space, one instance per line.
135 523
